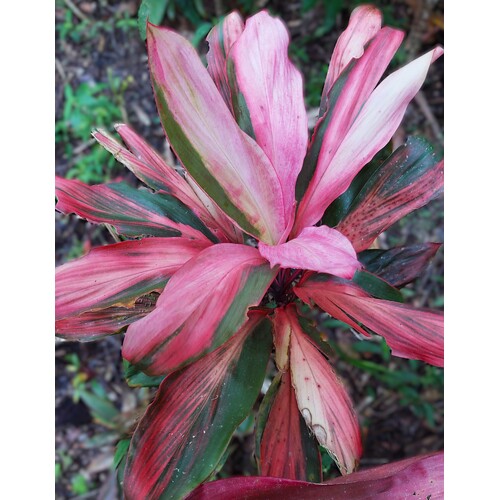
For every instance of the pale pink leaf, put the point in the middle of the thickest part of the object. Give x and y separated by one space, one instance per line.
364 23
220 40
272 90
320 249
322 399
372 129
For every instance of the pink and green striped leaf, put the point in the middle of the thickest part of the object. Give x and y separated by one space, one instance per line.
401 265
410 332
150 168
271 89
116 275
183 434
93 325
372 128
220 40
345 99
284 446
321 249
408 180
202 306
322 399
365 22
133 212
420 477
225 162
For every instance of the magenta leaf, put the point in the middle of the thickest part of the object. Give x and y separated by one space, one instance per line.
419 477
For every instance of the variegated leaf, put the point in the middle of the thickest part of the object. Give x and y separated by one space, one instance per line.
407 180
203 304
410 332
401 265
133 212
116 275
183 434
225 162
270 88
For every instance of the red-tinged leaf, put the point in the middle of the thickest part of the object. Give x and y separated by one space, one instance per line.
419 478
322 398
132 212
407 180
345 99
183 434
93 325
224 161
220 40
373 127
320 249
286 447
364 23
270 87
401 265
410 332
203 304
116 275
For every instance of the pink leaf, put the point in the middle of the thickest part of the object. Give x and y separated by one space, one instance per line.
225 162
115 275
364 24
220 40
371 130
133 212
419 477
272 90
92 325
322 399
285 443
319 249
202 305
410 333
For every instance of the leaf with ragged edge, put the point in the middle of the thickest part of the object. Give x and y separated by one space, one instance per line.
377 287
93 325
220 40
321 249
183 434
116 275
407 180
365 22
203 304
131 211
371 130
419 477
345 98
323 401
286 448
272 90
410 332
226 163
401 265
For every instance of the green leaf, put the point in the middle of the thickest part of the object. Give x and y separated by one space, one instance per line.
152 10
377 287
120 452
136 378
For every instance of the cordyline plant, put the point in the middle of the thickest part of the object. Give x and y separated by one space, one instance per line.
221 259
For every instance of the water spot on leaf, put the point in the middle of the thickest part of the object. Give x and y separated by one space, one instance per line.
306 413
320 434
